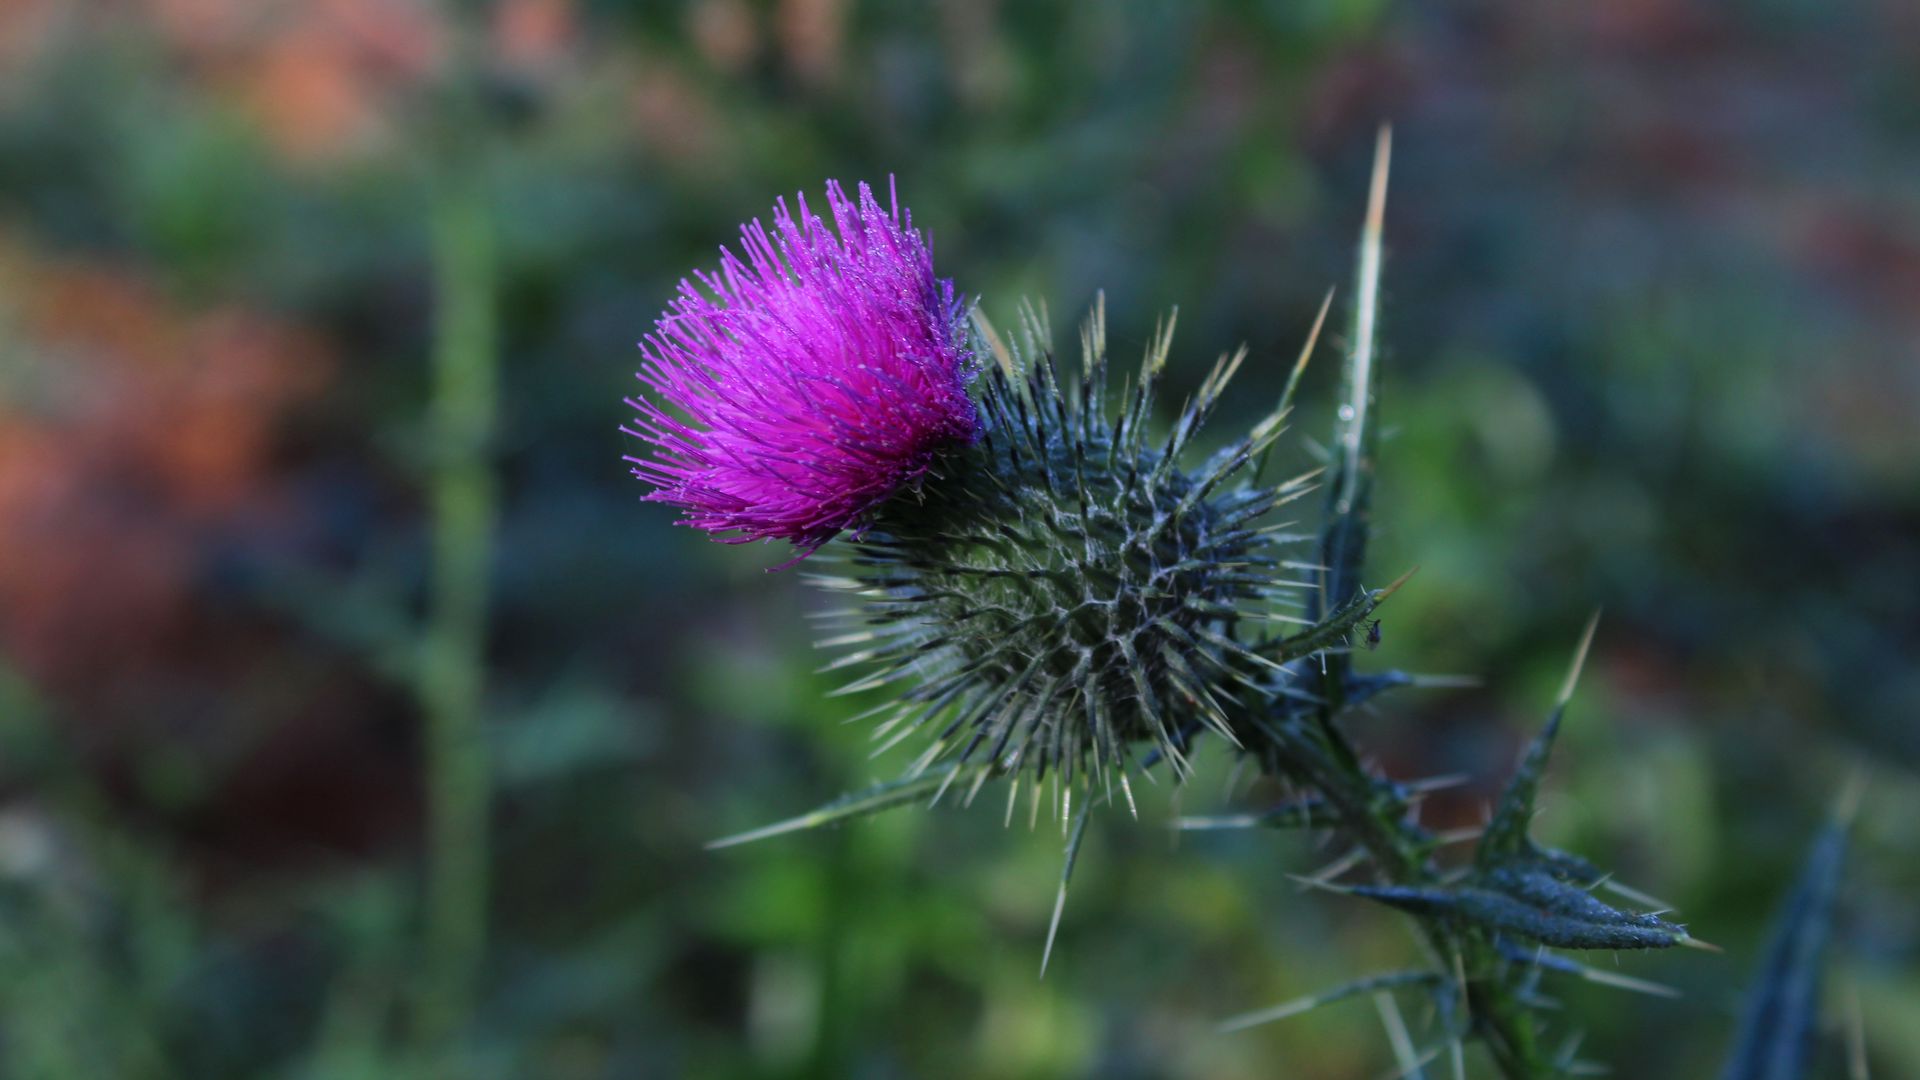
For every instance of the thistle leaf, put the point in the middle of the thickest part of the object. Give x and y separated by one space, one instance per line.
1775 1041
1339 626
1343 542
1522 890
1541 909
1506 836
1306 813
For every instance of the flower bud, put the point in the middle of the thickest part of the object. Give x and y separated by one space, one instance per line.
1063 591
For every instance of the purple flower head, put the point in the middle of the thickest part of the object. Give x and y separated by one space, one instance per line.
810 379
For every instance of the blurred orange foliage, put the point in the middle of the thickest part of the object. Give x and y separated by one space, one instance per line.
324 80
128 431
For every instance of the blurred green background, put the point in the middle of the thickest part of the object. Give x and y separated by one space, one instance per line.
1653 327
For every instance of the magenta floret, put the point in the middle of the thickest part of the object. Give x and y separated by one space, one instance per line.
809 381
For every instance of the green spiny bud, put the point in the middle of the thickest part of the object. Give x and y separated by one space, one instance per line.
1065 590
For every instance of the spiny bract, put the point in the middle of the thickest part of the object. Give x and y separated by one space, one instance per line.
1064 591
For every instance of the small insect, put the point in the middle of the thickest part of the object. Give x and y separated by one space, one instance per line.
1372 640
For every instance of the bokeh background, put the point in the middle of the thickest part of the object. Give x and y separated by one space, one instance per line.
1653 329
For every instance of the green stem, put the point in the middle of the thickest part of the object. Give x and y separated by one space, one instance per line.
451 683
1400 855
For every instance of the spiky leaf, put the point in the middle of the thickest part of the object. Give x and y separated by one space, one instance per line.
1344 538
1534 908
1775 1040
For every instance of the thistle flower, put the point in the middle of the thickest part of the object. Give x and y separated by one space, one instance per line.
809 379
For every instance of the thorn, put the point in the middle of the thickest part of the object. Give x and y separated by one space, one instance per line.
1646 900
1268 1016
1053 927
1569 1048
1397 1035
1691 942
1394 587
1419 1062
1579 660
1309 1002
1212 824
1377 190
1293 380
979 781
925 761
1628 982
942 793
1446 682
1308 883
1437 783
1234 776
748 837
1366 312
1066 874
994 343
1313 337
1340 865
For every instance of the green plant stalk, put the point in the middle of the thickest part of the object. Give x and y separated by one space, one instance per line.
451 684
1400 856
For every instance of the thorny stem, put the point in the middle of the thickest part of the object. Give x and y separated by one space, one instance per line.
1399 852
1313 750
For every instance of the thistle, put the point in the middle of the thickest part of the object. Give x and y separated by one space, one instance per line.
1059 586
803 384
1052 587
